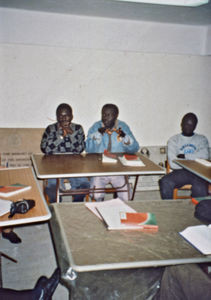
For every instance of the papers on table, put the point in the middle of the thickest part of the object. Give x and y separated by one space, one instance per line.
131 160
4 206
111 211
108 159
111 215
204 162
94 206
199 236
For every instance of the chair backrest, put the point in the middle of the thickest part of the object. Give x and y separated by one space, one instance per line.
167 166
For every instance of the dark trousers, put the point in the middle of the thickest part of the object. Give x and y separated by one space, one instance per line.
177 179
76 183
8 294
186 282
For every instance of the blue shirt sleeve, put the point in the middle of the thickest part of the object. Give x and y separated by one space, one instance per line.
97 143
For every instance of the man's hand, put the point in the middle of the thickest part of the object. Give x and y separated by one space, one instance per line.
66 130
181 155
102 130
121 133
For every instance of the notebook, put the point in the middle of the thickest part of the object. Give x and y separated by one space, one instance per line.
13 189
198 236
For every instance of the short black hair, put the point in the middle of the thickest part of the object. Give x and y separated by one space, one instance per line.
64 106
112 107
190 116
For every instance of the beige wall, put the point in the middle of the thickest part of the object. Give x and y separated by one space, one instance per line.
153 89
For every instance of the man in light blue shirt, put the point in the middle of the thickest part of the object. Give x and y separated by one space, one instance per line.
114 136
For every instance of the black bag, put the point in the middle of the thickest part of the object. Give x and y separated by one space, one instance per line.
203 211
21 207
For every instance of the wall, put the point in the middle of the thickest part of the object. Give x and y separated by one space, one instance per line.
152 72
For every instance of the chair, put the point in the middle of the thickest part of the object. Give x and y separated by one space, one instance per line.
45 183
108 190
66 193
186 187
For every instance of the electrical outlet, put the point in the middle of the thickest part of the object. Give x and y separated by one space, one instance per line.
162 150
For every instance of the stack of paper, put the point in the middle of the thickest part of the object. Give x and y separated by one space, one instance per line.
131 160
111 212
107 159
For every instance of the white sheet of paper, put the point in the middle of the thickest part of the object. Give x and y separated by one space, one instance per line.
131 163
4 206
111 216
199 236
107 159
93 206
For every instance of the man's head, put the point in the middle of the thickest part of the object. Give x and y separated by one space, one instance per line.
109 115
64 115
188 124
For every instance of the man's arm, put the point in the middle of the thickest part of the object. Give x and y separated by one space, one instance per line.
129 142
172 153
79 136
97 142
203 148
51 139
55 141
94 139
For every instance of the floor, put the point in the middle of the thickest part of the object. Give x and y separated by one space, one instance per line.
35 255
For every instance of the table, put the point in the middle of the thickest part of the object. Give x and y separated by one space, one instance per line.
196 168
88 165
84 245
24 176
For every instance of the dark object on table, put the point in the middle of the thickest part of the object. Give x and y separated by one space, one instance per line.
21 207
